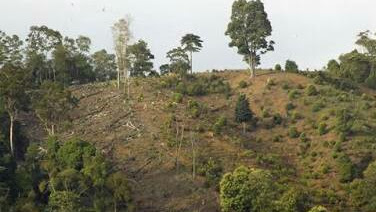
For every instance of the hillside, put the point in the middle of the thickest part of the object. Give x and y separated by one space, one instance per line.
150 137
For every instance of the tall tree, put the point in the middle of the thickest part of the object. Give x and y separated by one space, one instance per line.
104 65
249 29
52 104
179 61
121 35
41 41
191 43
11 51
13 84
139 57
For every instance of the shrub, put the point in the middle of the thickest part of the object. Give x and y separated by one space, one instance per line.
278 67
243 84
303 137
177 97
270 82
293 94
212 171
311 90
285 86
317 106
277 138
293 132
277 119
323 128
346 169
296 116
289 106
291 66
219 124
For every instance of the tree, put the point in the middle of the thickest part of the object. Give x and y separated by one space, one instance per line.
139 57
249 29
52 104
333 67
13 85
10 50
278 67
118 184
355 66
41 41
121 36
291 66
247 189
164 69
179 61
104 65
191 43
242 112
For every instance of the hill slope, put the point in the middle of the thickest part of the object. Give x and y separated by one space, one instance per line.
157 135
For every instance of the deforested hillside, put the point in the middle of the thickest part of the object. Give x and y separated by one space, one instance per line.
176 137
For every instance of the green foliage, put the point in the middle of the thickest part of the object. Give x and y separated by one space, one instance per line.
179 61
293 94
293 199
293 132
344 121
177 97
318 209
104 65
242 111
51 104
333 67
212 171
243 84
311 90
139 59
355 66
363 191
346 169
291 66
191 43
290 106
278 67
248 29
219 124
247 189
323 128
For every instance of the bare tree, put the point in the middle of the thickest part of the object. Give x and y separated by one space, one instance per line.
121 35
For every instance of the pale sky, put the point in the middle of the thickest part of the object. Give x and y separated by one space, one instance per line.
308 31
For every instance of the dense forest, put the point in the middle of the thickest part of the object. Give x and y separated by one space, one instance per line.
84 130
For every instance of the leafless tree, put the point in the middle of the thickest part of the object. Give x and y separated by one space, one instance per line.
122 35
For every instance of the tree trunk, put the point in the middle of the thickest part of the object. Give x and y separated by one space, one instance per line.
191 61
11 134
53 129
193 158
251 66
244 128
118 79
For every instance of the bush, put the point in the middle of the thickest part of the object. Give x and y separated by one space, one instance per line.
346 169
293 132
291 66
289 106
317 106
278 67
277 119
243 84
303 137
323 128
311 90
212 171
293 94
219 124
177 97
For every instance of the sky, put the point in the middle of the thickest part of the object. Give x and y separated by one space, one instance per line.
310 32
